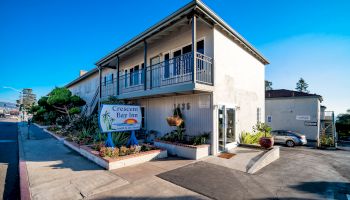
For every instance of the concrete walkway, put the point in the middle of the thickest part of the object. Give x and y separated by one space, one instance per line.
244 159
55 172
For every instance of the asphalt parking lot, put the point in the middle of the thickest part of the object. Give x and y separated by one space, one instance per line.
300 173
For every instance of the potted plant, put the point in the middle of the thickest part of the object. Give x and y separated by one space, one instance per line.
176 119
266 141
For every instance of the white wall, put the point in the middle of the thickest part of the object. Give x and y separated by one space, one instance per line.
175 40
283 112
198 118
239 81
86 88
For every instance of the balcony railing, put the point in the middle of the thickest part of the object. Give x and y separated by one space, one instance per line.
327 115
109 88
174 71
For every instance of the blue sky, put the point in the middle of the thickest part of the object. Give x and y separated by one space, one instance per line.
45 43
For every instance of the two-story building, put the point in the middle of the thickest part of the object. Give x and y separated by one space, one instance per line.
194 60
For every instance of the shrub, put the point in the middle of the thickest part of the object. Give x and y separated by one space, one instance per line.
326 140
109 152
252 138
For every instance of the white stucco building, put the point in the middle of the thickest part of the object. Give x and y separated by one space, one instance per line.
193 60
298 111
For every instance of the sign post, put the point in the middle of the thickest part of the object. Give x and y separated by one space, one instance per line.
118 118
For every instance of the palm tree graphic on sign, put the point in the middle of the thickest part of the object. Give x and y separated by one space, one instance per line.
107 120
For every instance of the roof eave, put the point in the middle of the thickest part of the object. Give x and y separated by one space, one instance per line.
80 78
185 9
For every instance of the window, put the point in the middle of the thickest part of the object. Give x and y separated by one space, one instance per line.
142 117
200 46
131 77
126 78
258 115
136 75
269 118
177 62
104 80
166 65
143 73
186 59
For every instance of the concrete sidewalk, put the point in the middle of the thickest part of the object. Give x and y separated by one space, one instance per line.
55 172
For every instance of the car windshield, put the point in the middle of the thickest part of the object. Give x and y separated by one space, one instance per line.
294 133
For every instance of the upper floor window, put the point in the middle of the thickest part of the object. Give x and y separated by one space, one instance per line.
200 46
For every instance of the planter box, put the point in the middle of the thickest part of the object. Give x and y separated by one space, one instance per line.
72 145
40 126
59 138
119 162
184 150
112 163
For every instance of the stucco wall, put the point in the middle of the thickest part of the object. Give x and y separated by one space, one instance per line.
86 88
198 116
170 42
239 82
283 112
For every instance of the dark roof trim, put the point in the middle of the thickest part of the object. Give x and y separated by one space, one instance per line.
80 78
195 4
283 93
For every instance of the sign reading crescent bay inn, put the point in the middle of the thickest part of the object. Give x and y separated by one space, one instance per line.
114 118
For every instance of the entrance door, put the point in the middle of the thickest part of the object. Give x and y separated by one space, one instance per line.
226 122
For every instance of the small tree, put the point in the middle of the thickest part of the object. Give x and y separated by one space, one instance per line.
62 100
268 85
302 86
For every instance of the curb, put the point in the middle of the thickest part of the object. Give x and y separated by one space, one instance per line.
265 160
22 168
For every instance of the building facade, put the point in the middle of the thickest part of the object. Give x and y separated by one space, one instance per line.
195 61
298 111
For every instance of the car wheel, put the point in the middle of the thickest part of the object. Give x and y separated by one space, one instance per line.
290 143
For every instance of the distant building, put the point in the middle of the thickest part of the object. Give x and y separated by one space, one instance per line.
298 111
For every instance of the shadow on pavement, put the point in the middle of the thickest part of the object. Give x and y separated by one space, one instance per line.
42 149
9 160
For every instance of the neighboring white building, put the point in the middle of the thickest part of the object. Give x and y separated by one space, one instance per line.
87 87
298 111
224 94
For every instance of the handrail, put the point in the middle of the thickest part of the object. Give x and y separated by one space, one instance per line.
95 96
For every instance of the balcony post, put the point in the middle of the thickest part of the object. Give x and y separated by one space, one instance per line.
145 65
117 83
100 86
194 48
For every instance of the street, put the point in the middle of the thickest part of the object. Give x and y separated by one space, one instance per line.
9 184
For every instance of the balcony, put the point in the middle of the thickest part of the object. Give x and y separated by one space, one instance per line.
173 75
109 88
327 116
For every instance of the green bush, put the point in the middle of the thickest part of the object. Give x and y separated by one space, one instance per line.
326 140
252 138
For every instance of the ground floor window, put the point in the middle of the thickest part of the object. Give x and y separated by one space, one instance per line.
143 117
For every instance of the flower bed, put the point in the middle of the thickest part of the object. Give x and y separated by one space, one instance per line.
193 152
146 153
117 162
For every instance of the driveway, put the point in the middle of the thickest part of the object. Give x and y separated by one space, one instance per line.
300 173
8 159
